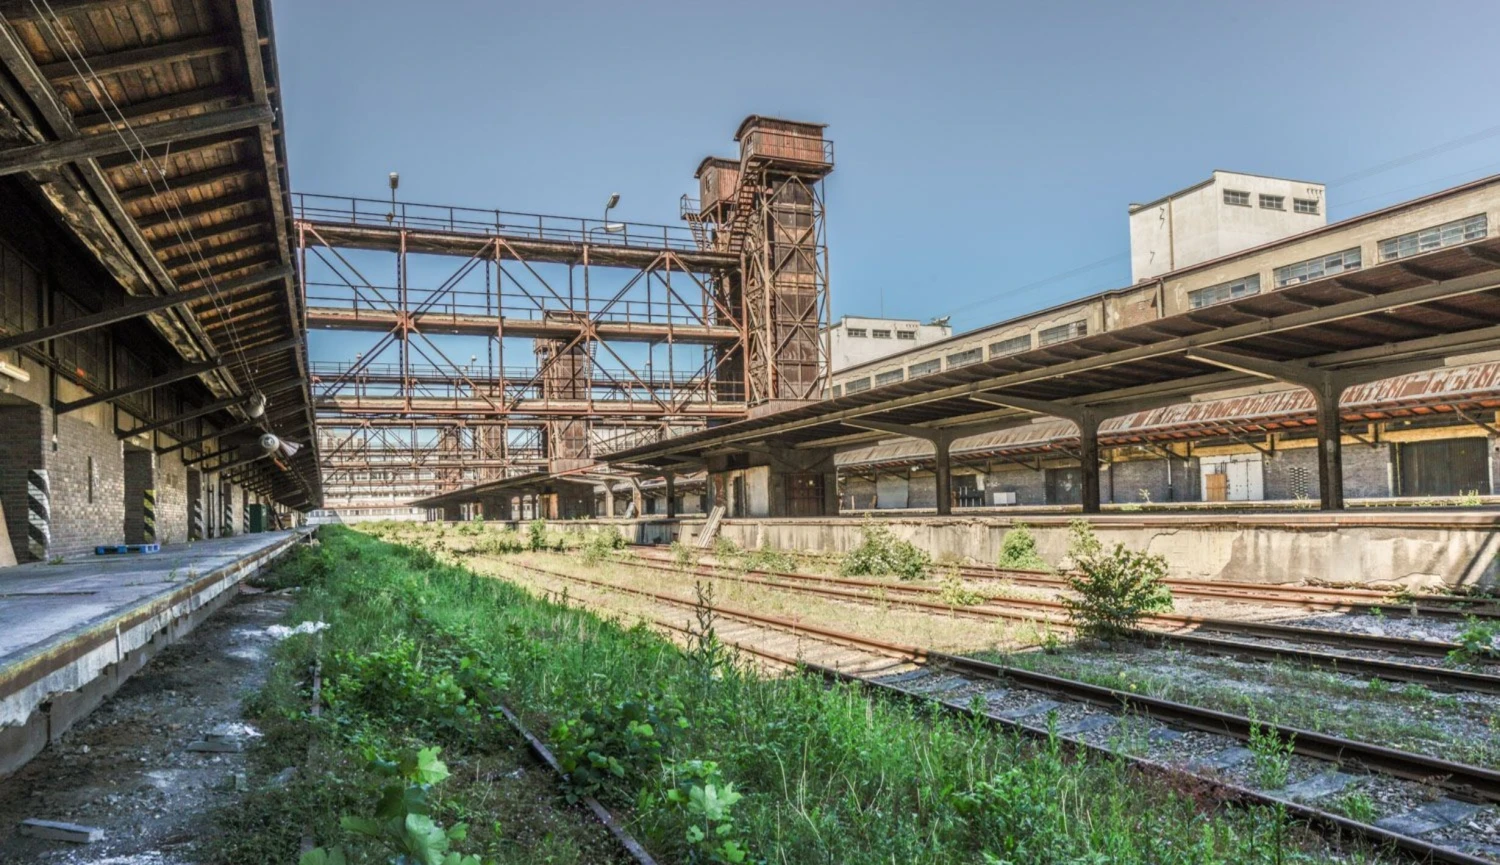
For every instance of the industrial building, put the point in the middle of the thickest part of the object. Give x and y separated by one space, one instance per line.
1427 434
855 340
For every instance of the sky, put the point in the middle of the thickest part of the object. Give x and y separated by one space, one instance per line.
985 152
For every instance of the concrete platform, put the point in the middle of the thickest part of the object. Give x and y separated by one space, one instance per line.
72 633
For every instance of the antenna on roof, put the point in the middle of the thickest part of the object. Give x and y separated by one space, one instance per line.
940 321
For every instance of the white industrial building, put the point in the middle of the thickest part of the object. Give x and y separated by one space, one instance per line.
857 339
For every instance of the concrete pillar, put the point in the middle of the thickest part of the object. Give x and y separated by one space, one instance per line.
637 499
671 480
1330 446
609 501
1088 454
943 473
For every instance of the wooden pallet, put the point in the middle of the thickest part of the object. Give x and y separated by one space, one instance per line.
121 549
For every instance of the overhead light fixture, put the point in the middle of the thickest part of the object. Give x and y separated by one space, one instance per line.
12 371
614 199
256 407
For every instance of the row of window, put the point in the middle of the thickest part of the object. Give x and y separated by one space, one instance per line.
878 333
1425 240
1241 198
1046 336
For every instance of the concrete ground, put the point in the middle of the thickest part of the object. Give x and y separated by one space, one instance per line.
127 769
39 602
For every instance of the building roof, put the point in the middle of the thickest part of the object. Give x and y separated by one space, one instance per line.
1438 391
197 200
1414 310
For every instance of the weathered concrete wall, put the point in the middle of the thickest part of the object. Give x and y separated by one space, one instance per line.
1377 548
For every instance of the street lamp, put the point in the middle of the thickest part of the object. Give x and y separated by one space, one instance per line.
395 179
608 227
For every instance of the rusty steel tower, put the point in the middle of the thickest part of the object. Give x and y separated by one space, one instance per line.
767 208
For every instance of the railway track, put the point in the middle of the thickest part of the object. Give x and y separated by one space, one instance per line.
1054 614
967 686
1351 600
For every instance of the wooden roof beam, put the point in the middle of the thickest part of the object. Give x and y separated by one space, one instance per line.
164 187
52 154
161 108
134 59
206 254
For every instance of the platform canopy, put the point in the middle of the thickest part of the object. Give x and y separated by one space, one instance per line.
1330 334
154 132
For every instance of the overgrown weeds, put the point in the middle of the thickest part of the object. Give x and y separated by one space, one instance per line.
881 553
1114 589
1018 551
733 768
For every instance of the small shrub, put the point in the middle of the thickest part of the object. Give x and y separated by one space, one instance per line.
881 553
705 801
1357 806
1082 542
1018 551
536 536
954 594
1475 641
1273 757
1114 590
616 743
683 556
600 544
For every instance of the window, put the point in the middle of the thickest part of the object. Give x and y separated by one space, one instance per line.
1436 237
906 334
1315 268
1305 205
1237 198
894 375
1062 333
964 358
1243 287
857 385
880 334
924 368
838 390
1273 202
1010 346
858 333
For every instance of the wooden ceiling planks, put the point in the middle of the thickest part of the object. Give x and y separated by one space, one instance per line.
207 209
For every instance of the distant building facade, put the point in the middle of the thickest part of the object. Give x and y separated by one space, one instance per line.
1224 214
857 339
1425 435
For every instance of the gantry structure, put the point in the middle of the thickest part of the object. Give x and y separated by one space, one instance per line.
480 345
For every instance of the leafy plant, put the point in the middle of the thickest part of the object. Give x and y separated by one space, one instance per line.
402 826
768 559
954 594
600 544
1114 590
1082 542
1018 550
1475 641
1272 756
881 553
621 741
683 556
1357 805
707 801
536 535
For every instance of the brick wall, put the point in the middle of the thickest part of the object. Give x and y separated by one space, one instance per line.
1126 479
1367 470
1029 486
87 471
171 499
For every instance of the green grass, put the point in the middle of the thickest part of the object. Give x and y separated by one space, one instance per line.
825 774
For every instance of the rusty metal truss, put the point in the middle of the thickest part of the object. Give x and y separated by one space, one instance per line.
625 340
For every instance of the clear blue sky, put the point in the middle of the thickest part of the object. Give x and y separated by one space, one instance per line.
980 146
